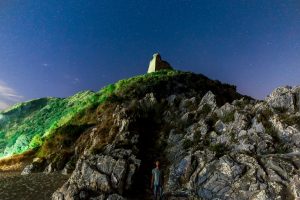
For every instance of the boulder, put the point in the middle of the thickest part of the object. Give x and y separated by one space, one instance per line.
115 197
105 164
118 175
187 105
282 100
208 99
37 165
220 127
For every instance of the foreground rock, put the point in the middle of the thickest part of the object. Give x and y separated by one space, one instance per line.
241 150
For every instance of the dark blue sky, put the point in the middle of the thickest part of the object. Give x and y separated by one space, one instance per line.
57 48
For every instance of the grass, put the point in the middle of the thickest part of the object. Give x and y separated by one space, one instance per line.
241 104
35 122
279 146
290 120
63 138
228 117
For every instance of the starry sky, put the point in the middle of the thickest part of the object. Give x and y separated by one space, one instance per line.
57 48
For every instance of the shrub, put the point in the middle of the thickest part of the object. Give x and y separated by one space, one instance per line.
282 149
219 149
265 114
206 109
211 121
64 136
35 142
228 117
242 103
280 110
270 129
290 120
187 143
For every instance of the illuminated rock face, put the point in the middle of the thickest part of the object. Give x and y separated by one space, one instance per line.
157 64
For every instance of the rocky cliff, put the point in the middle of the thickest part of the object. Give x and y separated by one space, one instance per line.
211 147
213 143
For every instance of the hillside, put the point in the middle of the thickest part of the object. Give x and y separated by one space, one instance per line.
24 126
212 142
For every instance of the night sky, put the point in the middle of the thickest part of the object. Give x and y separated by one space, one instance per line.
57 48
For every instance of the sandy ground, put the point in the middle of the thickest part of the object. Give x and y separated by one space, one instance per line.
38 186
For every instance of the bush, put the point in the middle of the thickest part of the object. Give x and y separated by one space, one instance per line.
206 109
211 121
290 120
219 149
187 144
242 103
265 114
228 117
282 149
36 142
64 136
280 110
270 129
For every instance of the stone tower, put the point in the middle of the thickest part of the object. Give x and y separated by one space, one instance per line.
157 64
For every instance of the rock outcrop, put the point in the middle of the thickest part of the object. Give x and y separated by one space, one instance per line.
285 99
212 143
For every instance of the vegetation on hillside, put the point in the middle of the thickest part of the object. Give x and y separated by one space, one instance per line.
48 122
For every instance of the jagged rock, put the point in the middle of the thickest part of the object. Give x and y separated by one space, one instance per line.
105 164
68 169
187 105
220 126
258 127
282 99
86 179
36 166
188 118
49 168
120 153
295 186
57 196
28 169
208 99
174 100
118 175
115 197
148 102
296 92
181 172
174 137
241 122
83 195
93 180
195 130
241 150
215 179
290 135
244 147
131 172
224 110
213 136
101 197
